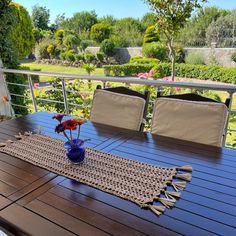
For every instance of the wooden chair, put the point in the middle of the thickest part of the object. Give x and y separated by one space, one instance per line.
190 117
120 107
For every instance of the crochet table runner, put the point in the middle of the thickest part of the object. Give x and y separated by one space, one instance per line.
138 182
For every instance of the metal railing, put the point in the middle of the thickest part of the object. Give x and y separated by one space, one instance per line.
158 84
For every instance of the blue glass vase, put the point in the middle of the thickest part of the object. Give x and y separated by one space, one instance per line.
75 151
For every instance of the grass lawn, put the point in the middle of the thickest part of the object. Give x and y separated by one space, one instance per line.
57 68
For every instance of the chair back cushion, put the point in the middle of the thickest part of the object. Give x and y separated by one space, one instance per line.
201 122
117 109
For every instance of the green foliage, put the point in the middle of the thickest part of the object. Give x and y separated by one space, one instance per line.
89 57
81 21
107 47
108 20
71 41
100 56
21 30
74 97
233 56
130 30
222 31
148 19
86 43
69 56
171 17
37 34
142 60
126 69
179 53
59 35
151 35
194 32
79 57
100 31
40 17
155 50
9 56
41 51
195 58
214 73
89 68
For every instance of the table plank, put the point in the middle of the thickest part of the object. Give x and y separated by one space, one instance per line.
207 205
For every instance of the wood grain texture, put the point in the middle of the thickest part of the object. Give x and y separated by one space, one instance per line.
207 205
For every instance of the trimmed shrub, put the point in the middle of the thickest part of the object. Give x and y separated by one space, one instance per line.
151 35
195 58
107 47
89 57
70 56
100 31
126 69
155 50
79 57
142 60
100 56
214 73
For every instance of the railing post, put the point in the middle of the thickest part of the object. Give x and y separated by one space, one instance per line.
228 118
32 93
65 96
158 91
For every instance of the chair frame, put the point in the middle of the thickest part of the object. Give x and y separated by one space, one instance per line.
127 91
194 97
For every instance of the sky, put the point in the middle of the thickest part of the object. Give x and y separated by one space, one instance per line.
116 8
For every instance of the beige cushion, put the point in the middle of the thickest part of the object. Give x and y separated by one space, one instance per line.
201 122
117 109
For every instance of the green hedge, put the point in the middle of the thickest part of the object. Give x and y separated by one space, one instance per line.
143 60
214 73
126 69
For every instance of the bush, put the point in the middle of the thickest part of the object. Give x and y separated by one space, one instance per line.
63 56
203 72
79 57
233 57
151 35
86 43
195 58
100 56
155 50
126 69
107 47
179 52
89 57
142 60
89 68
41 48
100 31
70 56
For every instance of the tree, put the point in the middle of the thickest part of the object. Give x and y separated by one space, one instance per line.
151 35
40 17
99 32
223 31
81 21
21 31
71 41
109 20
148 19
59 35
171 16
9 55
194 32
128 32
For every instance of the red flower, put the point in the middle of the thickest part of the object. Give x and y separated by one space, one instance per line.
70 124
58 117
59 128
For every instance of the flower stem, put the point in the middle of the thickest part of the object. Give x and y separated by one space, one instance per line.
77 140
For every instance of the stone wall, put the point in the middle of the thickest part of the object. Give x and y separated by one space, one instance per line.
221 55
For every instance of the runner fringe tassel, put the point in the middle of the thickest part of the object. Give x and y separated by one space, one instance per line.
170 196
